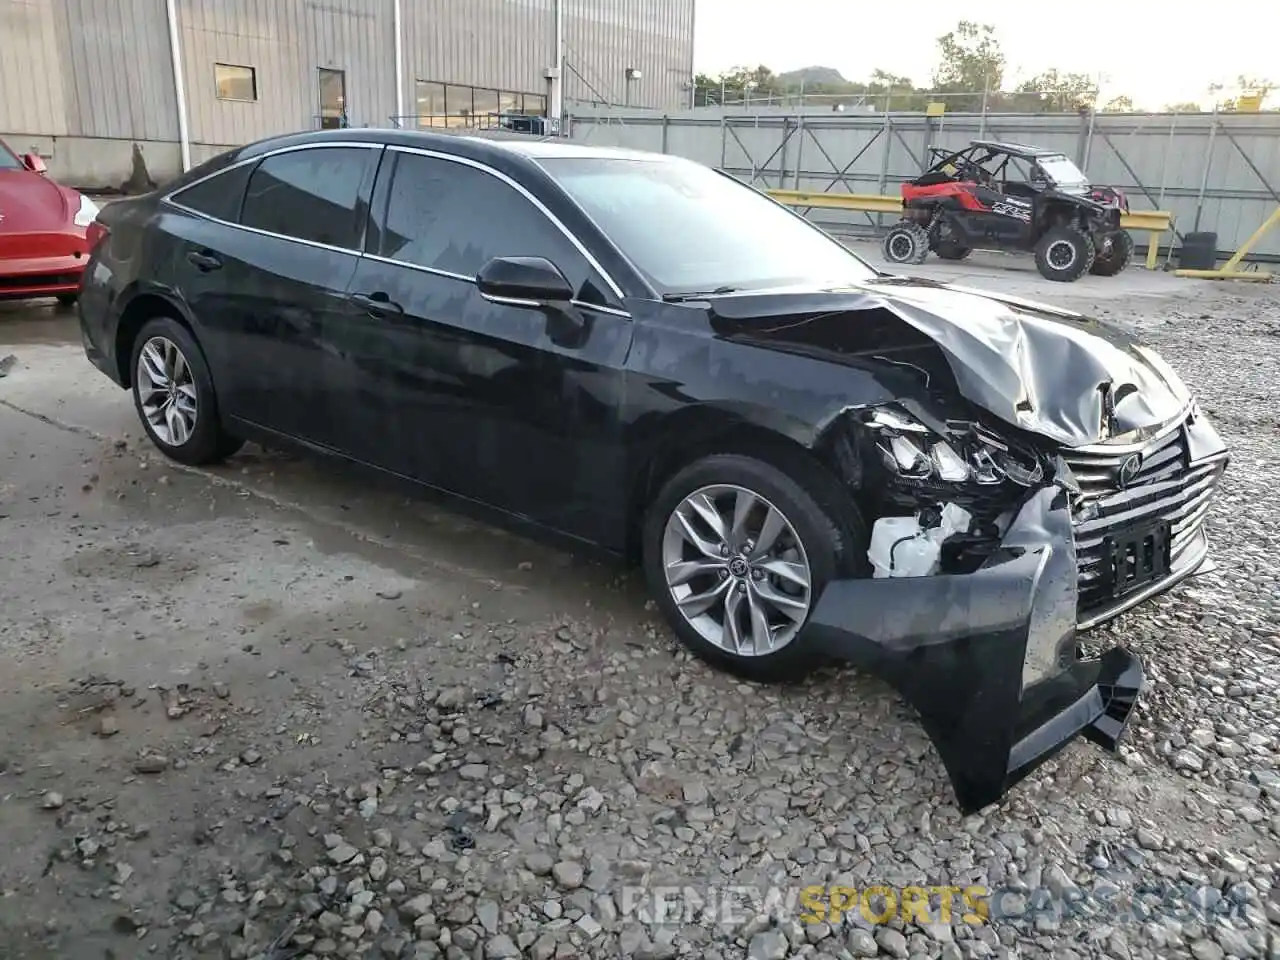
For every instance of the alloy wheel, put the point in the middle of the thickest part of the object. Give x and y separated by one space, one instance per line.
167 391
1061 255
737 570
901 246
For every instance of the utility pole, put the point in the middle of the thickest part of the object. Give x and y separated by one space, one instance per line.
555 73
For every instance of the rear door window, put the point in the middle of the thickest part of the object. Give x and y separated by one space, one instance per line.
313 195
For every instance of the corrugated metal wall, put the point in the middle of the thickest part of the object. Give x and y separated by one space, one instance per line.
509 44
502 44
31 69
1159 160
286 42
61 69
605 37
107 92
102 68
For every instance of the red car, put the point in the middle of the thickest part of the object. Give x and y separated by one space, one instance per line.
46 231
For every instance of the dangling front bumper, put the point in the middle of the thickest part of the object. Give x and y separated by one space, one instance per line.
988 659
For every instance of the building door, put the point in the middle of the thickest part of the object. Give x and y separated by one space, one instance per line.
333 99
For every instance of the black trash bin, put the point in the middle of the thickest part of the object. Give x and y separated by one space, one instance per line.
1199 251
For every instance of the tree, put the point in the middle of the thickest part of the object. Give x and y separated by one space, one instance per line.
970 61
736 85
1056 92
1121 104
1184 107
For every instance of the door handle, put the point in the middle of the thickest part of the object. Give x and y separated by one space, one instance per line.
204 261
377 304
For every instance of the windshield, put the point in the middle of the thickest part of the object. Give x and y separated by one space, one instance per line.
691 230
8 161
1061 171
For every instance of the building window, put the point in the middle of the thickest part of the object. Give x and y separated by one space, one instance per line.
235 83
486 107
456 105
430 96
333 99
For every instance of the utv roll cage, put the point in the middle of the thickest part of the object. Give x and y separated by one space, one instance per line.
974 158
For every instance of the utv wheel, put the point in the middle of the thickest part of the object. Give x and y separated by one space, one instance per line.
952 250
737 553
173 394
68 299
1117 258
906 242
1064 254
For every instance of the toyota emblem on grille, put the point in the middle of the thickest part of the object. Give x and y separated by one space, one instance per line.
1129 469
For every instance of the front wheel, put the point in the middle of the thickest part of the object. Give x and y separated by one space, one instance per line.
1064 254
906 242
1115 258
737 553
173 394
68 299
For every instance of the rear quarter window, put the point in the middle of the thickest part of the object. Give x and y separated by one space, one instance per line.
220 196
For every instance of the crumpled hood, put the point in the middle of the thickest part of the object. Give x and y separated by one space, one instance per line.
1059 374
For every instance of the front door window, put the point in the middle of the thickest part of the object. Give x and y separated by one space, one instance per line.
333 99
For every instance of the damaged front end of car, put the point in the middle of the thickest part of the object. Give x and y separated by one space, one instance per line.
971 609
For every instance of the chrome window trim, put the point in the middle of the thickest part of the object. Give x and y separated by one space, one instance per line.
510 301
435 271
465 161
169 197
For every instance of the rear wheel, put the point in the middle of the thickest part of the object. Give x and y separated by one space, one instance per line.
906 242
952 250
173 394
1111 261
1064 254
737 553
68 299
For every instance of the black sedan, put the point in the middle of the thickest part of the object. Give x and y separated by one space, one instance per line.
811 459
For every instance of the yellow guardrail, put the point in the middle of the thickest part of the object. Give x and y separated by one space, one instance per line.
1155 223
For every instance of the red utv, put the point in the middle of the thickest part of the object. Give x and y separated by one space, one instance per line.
1008 196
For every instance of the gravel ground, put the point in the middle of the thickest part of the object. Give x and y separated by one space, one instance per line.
243 722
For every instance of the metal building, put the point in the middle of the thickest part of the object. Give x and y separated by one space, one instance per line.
111 92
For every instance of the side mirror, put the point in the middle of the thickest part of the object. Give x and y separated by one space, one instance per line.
34 163
523 281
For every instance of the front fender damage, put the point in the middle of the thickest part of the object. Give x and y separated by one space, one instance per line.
988 658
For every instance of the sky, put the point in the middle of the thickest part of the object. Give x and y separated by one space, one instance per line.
1144 50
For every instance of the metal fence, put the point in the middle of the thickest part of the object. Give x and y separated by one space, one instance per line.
1215 172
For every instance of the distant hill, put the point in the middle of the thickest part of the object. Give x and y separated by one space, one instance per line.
810 76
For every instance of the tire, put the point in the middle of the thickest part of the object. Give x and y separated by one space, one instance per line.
952 250
204 440
817 515
1051 254
1117 258
67 299
906 242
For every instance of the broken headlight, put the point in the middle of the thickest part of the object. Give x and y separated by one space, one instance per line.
967 453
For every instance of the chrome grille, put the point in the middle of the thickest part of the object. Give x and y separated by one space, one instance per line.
1166 487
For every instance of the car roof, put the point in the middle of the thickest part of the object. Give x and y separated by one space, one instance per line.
478 144
1016 149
